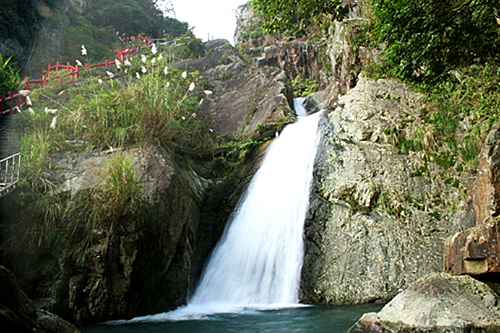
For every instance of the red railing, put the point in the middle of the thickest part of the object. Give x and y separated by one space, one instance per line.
9 103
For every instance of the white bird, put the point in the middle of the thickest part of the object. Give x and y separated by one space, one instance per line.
83 50
111 75
53 123
51 111
184 75
79 63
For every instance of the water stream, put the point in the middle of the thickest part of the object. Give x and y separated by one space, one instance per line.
254 271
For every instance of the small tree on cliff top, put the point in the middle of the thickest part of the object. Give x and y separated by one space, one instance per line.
295 16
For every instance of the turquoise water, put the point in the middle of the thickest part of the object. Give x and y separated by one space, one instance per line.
305 319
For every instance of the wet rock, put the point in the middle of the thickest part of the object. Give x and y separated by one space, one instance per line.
437 303
375 223
18 313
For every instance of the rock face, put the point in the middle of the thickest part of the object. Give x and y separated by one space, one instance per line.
437 303
246 100
476 251
297 58
376 223
140 264
19 314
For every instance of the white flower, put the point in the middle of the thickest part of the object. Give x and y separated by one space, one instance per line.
61 92
211 130
168 84
111 75
194 115
24 93
127 63
153 61
28 101
144 69
83 50
137 75
201 101
165 70
153 49
160 57
143 58
183 118
191 86
100 81
184 75
79 63
118 64
208 92
51 111
30 110
53 123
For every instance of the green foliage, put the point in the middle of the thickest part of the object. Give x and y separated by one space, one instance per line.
9 76
425 39
473 99
304 86
295 17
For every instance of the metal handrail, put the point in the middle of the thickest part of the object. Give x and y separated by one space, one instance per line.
9 173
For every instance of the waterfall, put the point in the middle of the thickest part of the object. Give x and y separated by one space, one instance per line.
257 262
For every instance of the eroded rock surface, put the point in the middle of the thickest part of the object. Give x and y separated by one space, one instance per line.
438 303
476 251
376 223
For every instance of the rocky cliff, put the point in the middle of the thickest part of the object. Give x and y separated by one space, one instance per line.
377 221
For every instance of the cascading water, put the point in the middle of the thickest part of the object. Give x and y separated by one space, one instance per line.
258 260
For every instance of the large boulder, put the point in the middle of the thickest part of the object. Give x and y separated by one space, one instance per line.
438 303
378 219
138 264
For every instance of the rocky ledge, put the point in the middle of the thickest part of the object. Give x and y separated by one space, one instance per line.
438 303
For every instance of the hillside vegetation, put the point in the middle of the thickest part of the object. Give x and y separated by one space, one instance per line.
38 33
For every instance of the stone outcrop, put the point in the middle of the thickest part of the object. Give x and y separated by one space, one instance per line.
140 264
376 222
476 251
19 314
246 100
437 303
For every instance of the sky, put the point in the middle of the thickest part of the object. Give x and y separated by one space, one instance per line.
214 17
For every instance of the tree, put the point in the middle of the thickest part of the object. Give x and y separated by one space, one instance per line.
295 16
425 39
